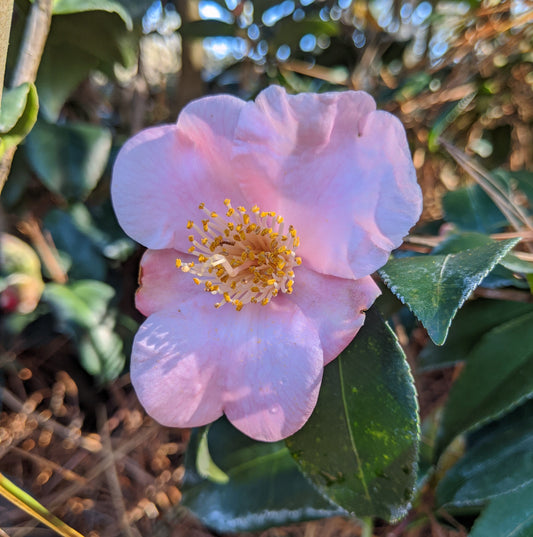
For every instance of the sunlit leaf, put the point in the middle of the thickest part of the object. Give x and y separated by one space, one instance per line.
64 7
18 113
436 286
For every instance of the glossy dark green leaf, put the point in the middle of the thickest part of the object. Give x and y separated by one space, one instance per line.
264 489
18 113
510 515
470 209
474 319
360 445
499 462
436 286
69 159
82 312
498 375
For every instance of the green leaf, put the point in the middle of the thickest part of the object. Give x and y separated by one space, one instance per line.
264 489
502 275
65 7
499 462
82 313
359 447
18 113
74 65
475 319
436 286
81 304
76 241
510 515
498 375
470 209
205 465
69 159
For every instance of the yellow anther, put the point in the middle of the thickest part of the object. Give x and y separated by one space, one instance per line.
244 260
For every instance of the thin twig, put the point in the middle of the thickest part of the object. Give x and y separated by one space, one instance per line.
35 34
46 249
98 469
504 294
8 399
516 216
112 476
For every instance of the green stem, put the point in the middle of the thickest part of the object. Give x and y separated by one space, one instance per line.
368 526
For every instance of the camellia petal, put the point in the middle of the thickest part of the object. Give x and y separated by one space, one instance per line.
261 366
338 168
336 305
161 285
161 174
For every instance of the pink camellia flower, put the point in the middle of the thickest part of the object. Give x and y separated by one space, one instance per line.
263 222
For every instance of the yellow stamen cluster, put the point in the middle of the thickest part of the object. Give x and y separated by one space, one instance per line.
243 256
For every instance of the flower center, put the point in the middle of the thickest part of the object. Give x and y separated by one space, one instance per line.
245 257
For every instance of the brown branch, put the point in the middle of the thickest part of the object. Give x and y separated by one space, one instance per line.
6 11
45 248
35 34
